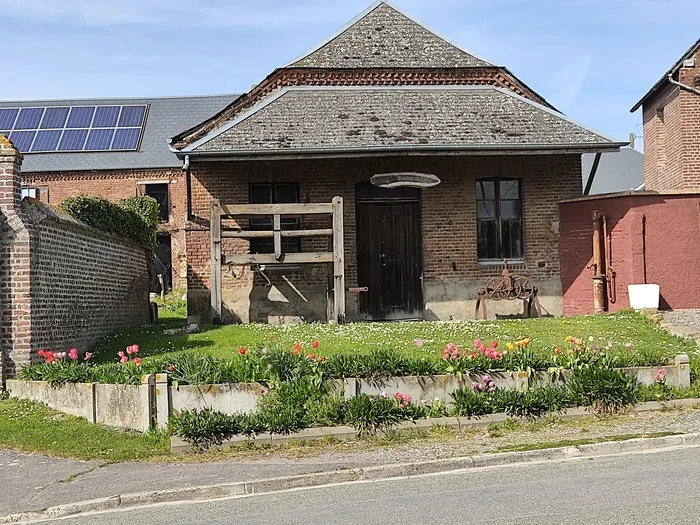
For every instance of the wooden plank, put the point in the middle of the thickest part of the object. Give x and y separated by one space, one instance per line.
215 281
269 258
277 228
256 210
240 234
338 261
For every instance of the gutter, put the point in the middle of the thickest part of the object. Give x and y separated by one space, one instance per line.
405 149
683 86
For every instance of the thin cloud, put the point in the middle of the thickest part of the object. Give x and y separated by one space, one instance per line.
568 81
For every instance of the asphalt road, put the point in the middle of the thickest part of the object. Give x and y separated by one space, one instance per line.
644 488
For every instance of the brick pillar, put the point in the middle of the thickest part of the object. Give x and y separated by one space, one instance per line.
15 230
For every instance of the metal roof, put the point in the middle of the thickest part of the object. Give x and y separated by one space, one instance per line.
306 119
617 171
166 117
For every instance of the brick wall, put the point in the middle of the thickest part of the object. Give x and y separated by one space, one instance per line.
672 135
654 240
451 270
62 284
120 184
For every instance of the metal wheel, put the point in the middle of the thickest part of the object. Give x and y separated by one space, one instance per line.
524 288
496 290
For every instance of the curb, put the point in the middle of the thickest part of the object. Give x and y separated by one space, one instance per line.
178 445
381 472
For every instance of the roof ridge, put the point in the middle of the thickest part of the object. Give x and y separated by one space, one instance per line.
357 20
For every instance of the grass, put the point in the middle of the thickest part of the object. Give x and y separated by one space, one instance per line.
31 427
577 442
621 328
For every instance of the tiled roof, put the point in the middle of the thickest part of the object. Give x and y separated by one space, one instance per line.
399 118
382 36
166 116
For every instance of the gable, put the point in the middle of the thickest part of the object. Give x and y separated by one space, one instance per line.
385 37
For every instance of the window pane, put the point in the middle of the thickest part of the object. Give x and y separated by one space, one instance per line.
106 116
487 240
80 117
511 234
286 193
73 140
510 209
485 210
160 193
54 118
29 118
7 118
99 139
29 192
22 139
261 193
510 189
132 116
46 140
485 190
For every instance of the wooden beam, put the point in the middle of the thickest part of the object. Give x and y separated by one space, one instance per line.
277 228
256 210
241 234
591 175
215 281
338 261
269 258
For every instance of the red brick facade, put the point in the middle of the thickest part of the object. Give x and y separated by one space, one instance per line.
672 134
115 185
62 284
451 272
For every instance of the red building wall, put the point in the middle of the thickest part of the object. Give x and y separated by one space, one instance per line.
655 239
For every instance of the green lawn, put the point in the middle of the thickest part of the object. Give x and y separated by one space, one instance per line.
31 427
548 333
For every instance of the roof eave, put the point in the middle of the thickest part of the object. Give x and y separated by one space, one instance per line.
418 148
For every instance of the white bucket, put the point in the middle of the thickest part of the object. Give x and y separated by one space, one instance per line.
644 296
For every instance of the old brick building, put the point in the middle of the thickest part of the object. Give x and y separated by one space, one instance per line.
671 116
382 96
114 148
651 237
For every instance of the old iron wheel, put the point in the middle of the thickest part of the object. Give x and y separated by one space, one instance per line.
496 289
524 288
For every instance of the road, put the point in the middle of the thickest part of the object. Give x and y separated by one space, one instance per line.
634 489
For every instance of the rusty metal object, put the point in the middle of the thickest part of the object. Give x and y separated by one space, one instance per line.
510 287
360 289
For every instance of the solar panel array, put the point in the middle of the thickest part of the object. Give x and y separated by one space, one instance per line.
76 128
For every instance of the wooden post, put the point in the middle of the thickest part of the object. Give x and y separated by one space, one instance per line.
215 280
277 230
338 261
598 267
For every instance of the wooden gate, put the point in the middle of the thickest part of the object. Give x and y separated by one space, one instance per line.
334 258
389 252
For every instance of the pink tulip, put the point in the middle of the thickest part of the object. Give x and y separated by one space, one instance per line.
88 355
477 343
137 361
120 354
135 349
73 354
124 359
407 398
419 342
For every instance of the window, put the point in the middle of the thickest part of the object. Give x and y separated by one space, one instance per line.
499 219
274 193
30 192
160 193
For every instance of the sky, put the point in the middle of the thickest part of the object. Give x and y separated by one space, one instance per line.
591 59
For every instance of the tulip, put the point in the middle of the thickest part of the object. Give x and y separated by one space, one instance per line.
73 354
124 359
171 368
419 342
137 361
242 350
88 356
314 344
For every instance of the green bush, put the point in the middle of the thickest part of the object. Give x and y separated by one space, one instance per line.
606 391
470 403
135 218
530 404
206 428
370 414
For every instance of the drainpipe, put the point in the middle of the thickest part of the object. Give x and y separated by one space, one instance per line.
681 85
597 266
188 184
591 176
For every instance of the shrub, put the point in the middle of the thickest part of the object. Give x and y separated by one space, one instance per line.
325 411
530 404
605 391
206 428
472 403
370 414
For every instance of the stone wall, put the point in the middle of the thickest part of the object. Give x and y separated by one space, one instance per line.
62 284
451 271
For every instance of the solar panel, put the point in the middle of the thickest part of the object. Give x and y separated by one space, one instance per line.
46 140
77 128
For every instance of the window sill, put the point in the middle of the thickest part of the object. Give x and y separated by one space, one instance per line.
490 263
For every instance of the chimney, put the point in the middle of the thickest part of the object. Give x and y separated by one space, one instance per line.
10 178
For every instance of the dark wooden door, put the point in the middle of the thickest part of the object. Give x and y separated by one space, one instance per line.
389 258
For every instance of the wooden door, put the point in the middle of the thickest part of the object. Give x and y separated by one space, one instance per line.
389 256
